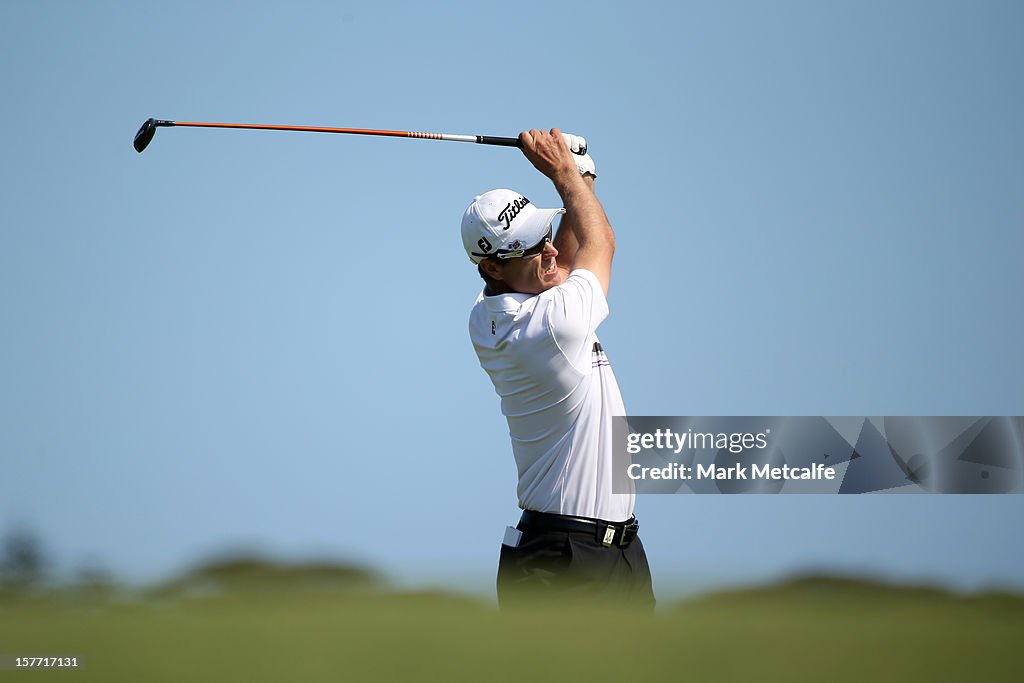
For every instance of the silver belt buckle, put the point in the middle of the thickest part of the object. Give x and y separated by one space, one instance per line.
609 537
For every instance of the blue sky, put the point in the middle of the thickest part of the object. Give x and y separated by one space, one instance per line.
258 340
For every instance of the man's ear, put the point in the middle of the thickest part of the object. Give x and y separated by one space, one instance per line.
492 268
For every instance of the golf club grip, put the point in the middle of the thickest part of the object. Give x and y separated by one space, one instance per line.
492 140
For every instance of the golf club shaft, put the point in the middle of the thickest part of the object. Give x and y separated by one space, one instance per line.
479 139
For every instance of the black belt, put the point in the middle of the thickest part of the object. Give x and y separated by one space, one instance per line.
605 533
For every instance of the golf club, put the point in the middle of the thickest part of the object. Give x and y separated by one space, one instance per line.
148 130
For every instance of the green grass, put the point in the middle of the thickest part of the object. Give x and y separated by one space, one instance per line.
816 630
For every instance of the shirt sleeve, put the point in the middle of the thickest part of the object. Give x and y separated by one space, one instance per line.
575 309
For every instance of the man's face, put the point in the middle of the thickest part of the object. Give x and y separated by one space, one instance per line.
530 274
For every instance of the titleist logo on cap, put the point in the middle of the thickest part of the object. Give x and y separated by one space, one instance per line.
512 210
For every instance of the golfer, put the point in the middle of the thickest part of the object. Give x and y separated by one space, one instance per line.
534 331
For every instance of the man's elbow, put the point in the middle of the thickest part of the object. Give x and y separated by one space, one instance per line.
607 244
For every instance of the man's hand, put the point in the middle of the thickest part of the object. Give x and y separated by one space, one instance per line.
549 153
578 147
577 143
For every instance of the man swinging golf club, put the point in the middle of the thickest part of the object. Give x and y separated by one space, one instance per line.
534 331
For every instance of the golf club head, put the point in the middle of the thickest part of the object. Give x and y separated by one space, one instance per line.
146 133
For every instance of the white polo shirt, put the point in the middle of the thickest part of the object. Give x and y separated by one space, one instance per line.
557 392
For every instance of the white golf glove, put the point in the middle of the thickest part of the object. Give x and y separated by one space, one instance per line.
578 146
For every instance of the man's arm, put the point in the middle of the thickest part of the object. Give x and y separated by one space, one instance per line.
593 245
565 240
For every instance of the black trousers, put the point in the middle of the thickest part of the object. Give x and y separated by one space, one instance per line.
574 568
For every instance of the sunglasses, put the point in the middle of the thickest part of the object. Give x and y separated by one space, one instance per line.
526 253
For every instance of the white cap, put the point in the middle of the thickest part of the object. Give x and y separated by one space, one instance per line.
503 221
